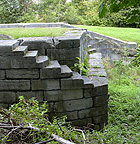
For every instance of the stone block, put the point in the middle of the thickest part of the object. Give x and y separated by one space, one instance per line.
87 82
93 112
22 74
38 43
63 54
66 72
7 62
97 72
82 122
48 84
73 105
6 46
54 95
66 43
100 100
75 82
14 85
8 97
29 94
100 85
2 74
69 63
63 95
100 119
89 92
53 70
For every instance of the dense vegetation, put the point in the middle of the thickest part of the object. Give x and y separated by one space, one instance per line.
75 12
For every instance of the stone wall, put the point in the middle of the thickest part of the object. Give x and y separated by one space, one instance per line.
28 68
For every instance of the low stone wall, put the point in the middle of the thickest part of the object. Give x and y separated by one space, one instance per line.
31 73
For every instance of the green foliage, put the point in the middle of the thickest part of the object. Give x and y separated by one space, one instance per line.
136 60
115 6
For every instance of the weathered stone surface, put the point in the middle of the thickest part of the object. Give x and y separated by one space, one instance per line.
82 122
6 46
97 72
29 94
2 74
20 50
7 62
69 63
67 43
95 56
53 70
3 105
73 105
75 82
63 95
14 85
100 100
22 74
66 72
48 84
63 54
38 43
89 92
96 111
8 97
100 119
87 82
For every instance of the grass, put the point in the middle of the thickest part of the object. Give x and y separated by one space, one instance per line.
33 32
126 34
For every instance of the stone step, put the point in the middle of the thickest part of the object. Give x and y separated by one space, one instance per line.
21 50
87 82
53 70
92 50
42 61
66 72
74 82
31 56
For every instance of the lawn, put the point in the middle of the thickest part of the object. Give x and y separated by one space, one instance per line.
33 32
126 34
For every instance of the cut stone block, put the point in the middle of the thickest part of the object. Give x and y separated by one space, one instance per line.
8 97
63 95
66 72
75 82
22 74
100 100
2 74
97 72
100 119
14 85
92 112
21 50
6 46
31 55
95 56
63 54
49 84
7 62
87 82
73 105
53 70
42 61
29 94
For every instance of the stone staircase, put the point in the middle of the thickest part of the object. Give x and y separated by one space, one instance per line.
24 72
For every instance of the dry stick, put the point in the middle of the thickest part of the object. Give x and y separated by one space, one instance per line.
79 130
53 136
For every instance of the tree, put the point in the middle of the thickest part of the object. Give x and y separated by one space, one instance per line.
117 5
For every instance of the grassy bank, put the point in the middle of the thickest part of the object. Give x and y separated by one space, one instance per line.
33 32
126 34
